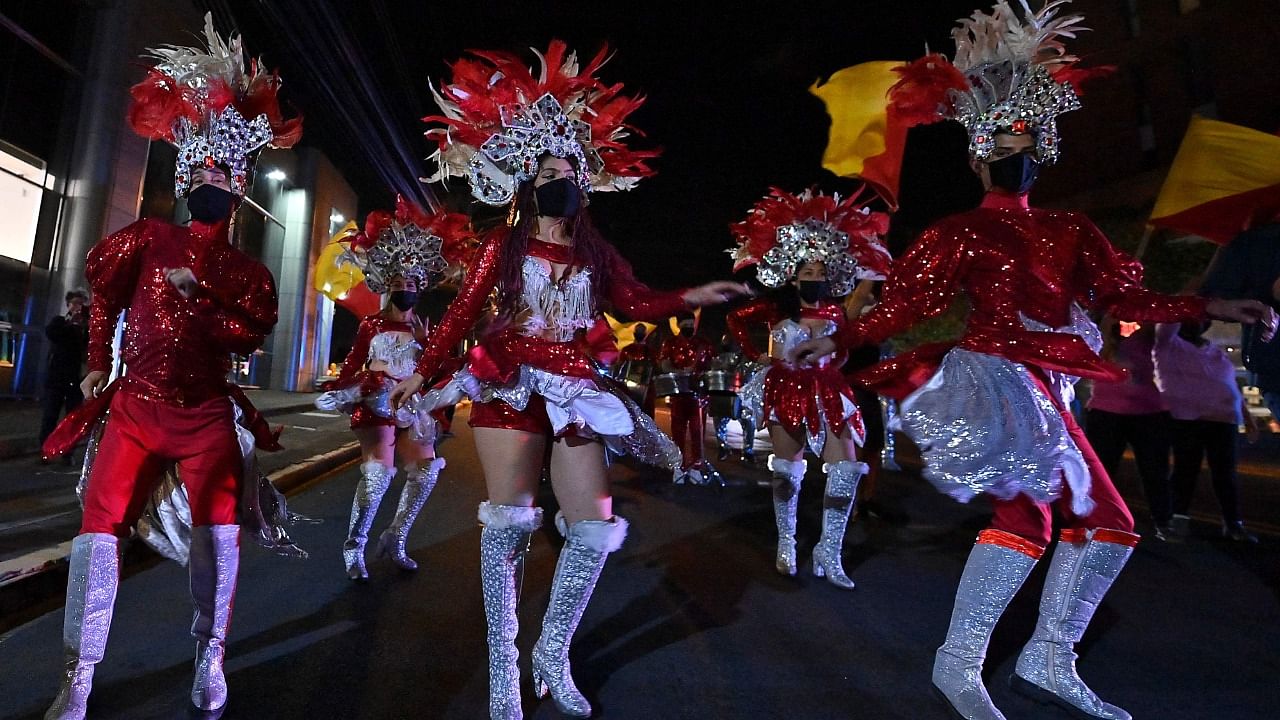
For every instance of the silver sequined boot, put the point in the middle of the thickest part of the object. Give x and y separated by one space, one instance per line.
503 542
587 545
787 475
214 568
997 567
375 478
419 482
842 488
1084 566
93 577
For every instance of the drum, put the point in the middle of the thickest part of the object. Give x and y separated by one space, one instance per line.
724 405
668 384
636 373
722 381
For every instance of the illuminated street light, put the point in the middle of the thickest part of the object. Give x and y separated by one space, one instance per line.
337 218
276 175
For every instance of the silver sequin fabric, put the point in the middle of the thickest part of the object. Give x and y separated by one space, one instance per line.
1080 574
587 545
503 541
92 579
991 578
214 569
984 426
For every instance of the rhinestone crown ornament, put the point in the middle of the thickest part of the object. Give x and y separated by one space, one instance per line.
499 119
216 109
410 244
784 231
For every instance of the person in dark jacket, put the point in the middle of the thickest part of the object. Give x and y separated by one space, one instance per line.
68 337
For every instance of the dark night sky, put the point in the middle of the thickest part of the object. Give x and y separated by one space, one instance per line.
727 95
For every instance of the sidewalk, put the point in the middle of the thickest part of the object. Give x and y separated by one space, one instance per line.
39 511
20 419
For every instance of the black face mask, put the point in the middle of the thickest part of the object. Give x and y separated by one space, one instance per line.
209 204
558 198
404 300
814 291
1016 173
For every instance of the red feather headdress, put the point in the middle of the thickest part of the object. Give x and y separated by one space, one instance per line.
411 243
214 108
499 118
783 231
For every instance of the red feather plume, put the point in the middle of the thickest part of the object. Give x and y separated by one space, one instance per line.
157 103
923 87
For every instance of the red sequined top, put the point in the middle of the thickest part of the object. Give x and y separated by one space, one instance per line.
764 311
500 353
688 353
177 350
636 352
370 327
1009 260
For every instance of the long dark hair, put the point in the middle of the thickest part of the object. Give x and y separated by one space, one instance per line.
589 249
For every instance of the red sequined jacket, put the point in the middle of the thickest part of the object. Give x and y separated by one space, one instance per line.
1010 261
765 312
177 350
688 353
501 353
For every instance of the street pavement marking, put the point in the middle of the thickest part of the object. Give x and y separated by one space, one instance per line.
288 647
31 521
303 427
315 413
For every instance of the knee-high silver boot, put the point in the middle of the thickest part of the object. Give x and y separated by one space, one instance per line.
92 580
842 488
375 478
587 545
214 568
503 542
419 482
998 565
787 475
1084 566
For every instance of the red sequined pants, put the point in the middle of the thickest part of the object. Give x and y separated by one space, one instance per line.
141 436
688 419
1029 519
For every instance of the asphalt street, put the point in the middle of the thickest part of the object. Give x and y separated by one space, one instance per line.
690 620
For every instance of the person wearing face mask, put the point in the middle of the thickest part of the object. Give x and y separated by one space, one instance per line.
399 254
990 412
190 300
687 353
811 248
535 377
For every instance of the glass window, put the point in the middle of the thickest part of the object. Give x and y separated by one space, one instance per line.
22 182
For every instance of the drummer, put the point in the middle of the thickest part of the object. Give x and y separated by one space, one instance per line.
635 365
732 361
688 354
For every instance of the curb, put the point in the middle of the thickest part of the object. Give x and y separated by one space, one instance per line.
33 584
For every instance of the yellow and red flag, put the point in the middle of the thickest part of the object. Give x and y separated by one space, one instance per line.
1225 179
866 140
344 284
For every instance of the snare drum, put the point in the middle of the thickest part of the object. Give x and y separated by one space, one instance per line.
722 381
668 384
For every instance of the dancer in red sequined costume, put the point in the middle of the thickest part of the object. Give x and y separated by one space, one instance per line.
191 301
399 255
687 352
810 248
989 412
540 142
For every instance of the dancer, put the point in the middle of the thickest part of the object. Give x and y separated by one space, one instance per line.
192 300
686 353
988 412
541 142
811 248
400 255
